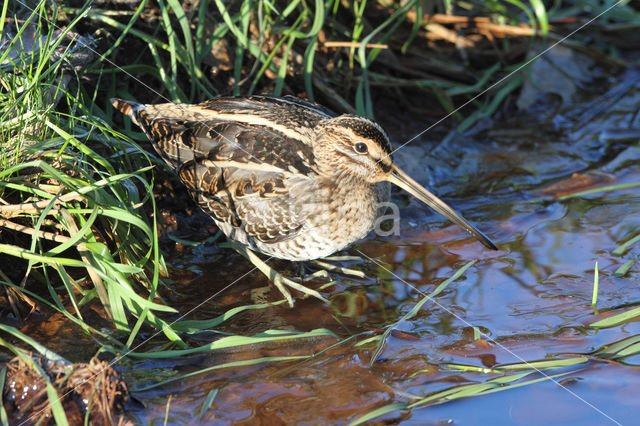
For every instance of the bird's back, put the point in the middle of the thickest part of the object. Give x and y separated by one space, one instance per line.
249 162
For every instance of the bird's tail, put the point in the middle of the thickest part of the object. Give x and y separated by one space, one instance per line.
129 108
165 136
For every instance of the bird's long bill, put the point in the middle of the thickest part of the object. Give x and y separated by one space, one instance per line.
401 179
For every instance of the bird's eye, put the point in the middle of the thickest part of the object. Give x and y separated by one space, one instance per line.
361 148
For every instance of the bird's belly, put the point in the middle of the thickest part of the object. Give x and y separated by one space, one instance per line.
332 221
315 243
331 224
321 236
301 248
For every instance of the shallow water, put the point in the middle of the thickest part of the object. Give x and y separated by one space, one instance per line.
531 299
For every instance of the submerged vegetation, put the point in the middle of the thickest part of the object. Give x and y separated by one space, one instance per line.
82 235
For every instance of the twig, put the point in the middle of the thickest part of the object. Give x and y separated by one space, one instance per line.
506 30
440 32
482 23
37 206
31 231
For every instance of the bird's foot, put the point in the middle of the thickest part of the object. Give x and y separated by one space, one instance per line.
281 282
321 274
328 267
345 258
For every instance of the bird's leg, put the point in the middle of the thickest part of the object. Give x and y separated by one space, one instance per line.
274 276
302 271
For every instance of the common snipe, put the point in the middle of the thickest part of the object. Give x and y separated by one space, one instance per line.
281 176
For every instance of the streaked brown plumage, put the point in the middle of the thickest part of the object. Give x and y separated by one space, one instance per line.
281 176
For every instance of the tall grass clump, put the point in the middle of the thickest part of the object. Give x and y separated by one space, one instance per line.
77 217
329 51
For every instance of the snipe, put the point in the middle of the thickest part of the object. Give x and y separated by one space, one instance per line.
281 176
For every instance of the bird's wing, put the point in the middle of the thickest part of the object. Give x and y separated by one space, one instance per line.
237 171
256 204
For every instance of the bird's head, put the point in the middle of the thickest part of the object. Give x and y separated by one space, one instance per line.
357 147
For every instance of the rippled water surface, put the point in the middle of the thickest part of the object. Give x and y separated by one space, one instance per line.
528 301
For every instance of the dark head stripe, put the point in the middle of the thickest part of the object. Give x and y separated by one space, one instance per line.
367 129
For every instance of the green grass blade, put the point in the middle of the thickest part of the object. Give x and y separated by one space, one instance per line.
42 350
525 9
237 341
282 71
624 268
124 33
610 350
617 319
208 401
418 306
463 367
541 365
495 385
364 104
461 89
54 400
67 281
56 405
3 16
77 236
309 55
417 24
541 13
631 350
319 16
594 297
183 21
378 412
622 248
